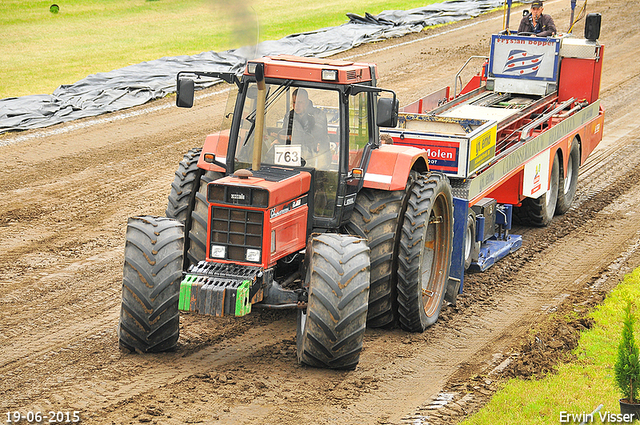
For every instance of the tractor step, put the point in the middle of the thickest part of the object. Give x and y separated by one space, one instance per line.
218 289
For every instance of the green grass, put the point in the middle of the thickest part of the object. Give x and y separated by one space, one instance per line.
578 387
42 50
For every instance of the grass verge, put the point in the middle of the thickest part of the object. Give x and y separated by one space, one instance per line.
577 387
42 50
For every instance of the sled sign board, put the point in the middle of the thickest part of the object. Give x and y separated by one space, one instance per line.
528 58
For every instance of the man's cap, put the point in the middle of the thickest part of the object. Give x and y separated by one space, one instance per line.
536 3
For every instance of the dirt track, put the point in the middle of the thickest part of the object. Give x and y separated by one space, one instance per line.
67 194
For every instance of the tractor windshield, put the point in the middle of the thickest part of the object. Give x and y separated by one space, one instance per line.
301 128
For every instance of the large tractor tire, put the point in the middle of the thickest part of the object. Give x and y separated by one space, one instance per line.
331 328
149 317
375 218
196 240
539 212
184 187
425 252
183 201
568 184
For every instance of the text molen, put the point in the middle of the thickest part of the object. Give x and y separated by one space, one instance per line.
439 154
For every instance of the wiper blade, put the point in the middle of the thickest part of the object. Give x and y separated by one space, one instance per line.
270 100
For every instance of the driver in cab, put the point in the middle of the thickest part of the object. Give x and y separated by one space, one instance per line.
304 124
302 115
536 23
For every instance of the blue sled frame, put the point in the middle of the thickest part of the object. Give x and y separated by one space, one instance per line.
492 248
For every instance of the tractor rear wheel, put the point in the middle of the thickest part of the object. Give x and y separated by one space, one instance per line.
540 211
375 217
149 317
184 187
330 331
196 233
184 200
425 252
567 185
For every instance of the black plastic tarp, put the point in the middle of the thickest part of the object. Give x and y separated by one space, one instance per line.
137 84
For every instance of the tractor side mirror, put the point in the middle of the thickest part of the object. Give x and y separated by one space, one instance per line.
185 90
592 26
387 112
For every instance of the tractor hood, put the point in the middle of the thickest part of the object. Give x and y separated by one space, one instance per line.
265 188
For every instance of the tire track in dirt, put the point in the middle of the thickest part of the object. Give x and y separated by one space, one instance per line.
601 277
26 340
101 388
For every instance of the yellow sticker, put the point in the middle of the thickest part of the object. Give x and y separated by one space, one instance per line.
482 148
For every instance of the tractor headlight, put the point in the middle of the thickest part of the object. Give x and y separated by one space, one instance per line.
330 75
252 255
218 251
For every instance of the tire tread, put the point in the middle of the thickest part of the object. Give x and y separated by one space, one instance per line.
149 316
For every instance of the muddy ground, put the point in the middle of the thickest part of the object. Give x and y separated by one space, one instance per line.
67 194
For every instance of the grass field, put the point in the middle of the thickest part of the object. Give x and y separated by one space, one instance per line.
42 50
579 387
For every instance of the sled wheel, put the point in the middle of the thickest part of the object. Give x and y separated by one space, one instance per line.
425 252
567 185
149 317
375 217
539 212
196 240
330 331
471 247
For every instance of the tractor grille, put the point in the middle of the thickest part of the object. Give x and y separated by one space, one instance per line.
237 230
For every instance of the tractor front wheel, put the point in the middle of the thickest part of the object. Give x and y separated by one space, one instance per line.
331 328
149 317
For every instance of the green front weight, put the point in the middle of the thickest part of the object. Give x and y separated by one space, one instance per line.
185 292
240 304
243 304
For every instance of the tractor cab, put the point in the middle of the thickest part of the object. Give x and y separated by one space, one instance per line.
302 133
315 116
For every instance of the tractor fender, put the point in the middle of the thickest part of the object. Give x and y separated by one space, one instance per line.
217 144
390 165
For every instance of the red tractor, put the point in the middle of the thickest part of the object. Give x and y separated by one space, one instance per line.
295 204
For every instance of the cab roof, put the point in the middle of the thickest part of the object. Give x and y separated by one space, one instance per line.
313 69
